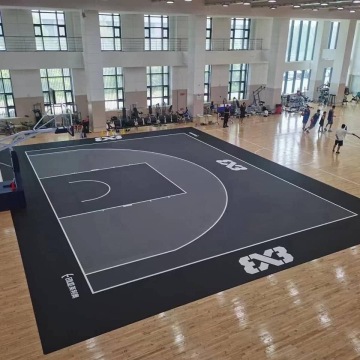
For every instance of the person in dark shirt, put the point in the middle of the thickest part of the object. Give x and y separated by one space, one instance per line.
313 121
242 112
226 116
330 119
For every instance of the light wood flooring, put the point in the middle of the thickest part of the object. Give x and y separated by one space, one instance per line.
308 312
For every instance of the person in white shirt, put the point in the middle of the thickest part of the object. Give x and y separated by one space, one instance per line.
340 136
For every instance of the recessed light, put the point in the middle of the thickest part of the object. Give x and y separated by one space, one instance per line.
315 9
356 1
225 5
170 1
324 4
296 6
340 8
272 1
246 3
352 11
273 7
188 0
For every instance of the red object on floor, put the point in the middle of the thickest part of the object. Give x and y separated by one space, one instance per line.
13 186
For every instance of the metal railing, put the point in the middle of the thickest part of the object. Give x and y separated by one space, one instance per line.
141 44
30 43
235 45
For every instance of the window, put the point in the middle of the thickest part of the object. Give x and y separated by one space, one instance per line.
156 32
207 83
57 88
157 85
238 81
294 81
110 31
7 106
240 33
113 88
2 39
50 30
208 33
327 75
334 33
301 40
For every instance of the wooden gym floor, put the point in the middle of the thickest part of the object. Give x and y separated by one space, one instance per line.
307 312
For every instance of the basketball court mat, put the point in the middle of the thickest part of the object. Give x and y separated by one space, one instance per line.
119 230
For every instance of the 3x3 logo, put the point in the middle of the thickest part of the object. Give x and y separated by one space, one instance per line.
265 260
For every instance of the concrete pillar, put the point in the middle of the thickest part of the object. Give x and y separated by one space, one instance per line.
93 69
354 67
196 63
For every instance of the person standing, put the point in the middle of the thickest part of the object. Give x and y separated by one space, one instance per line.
330 119
340 136
306 116
313 121
242 112
321 123
226 116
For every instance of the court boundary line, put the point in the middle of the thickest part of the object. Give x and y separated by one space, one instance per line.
61 226
188 264
269 173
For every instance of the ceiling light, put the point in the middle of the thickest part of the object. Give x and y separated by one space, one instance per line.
340 8
272 1
273 7
246 3
170 1
225 5
296 6
188 0
324 4
356 1
352 11
315 9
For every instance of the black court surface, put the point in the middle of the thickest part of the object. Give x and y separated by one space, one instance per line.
117 231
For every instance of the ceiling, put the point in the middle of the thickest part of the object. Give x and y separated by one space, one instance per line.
254 8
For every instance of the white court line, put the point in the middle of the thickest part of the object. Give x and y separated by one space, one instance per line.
1 163
288 182
167 178
85 171
215 256
102 143
62 228
95 181
121 206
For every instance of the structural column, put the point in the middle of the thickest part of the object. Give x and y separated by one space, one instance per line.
196 64
93 69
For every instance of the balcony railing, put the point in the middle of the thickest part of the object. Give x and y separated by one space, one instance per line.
234 45
141 44
30 43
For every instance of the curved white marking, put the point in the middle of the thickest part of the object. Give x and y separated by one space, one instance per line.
96 181
171 156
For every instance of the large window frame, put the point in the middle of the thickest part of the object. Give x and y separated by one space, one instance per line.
327 75
207 83
238 81
50 30
209 26
110 31
333 35
113 88
7 104
294 81
156 29
301 40
158 85
57 87
240 33
2 37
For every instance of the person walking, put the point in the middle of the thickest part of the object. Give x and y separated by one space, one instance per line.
321 122
242 112
330 119
226 116
306 116
340 136
313 121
